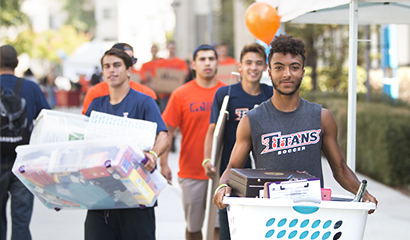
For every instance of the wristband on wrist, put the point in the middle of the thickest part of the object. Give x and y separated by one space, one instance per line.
154 153
205 161
220 186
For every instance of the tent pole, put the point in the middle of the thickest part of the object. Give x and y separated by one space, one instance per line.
352 98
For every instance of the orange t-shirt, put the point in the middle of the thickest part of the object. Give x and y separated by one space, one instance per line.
173 63
189 108
149 68
228 61
101 89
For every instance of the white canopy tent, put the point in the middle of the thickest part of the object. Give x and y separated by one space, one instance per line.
369 12
84 60
352 12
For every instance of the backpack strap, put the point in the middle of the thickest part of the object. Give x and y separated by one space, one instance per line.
17 87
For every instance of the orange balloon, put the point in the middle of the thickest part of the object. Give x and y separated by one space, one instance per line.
262 21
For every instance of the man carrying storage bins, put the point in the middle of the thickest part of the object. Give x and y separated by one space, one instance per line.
287 132
30 92
131 223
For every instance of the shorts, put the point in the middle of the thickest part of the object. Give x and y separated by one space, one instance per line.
120 224
194 202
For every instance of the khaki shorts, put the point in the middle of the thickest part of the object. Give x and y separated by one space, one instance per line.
194 202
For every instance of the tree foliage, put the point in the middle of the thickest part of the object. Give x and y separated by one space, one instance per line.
51 45
10 14
310 34
81 14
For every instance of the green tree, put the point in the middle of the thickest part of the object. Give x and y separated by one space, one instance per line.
10 14
81 15
51 44
310 34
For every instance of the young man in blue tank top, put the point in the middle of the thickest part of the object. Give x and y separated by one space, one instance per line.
273 130
243 96
130 223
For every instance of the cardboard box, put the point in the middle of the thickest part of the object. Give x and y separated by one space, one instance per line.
167 80
224 74
248 182
136 77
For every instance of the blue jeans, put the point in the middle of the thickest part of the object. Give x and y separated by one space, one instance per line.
21 202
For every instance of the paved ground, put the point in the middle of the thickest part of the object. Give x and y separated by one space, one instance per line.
390 221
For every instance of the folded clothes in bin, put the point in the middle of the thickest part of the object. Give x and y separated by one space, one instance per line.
88 174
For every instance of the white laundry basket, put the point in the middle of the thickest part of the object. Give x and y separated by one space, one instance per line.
254 218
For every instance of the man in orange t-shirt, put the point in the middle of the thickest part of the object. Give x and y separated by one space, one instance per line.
101 89
172 62
227 64
189 108
147 71
223 57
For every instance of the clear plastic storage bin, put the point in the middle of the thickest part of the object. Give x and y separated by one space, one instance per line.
88 174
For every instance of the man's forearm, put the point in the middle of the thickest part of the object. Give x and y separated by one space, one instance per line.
161 143
209 141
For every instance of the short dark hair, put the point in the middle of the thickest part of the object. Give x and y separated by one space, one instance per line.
8 57
122 46
204 47
119 53
253 47
287 44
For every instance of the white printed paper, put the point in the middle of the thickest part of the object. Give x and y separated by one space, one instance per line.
298 190
141 133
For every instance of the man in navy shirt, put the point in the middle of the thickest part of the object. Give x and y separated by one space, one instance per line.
243 96
21 197
131 223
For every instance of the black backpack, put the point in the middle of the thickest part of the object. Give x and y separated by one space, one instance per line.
15 129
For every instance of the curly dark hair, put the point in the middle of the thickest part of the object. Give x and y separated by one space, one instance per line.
287 44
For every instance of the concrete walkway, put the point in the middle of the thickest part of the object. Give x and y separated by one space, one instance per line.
390 221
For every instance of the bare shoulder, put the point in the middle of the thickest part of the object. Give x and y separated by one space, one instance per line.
328 121
244 129
326 113
244 122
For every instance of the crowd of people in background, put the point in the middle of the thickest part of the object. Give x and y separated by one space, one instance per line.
145 75
192 108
